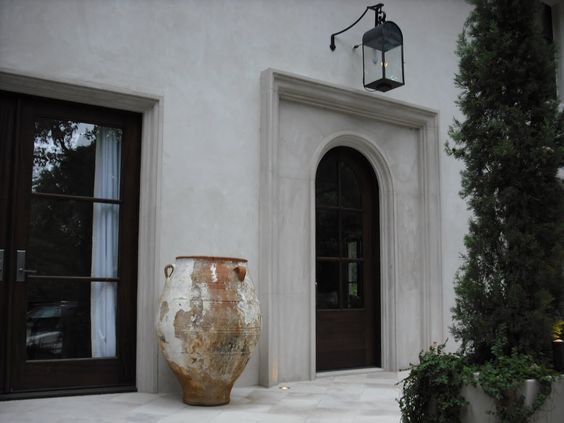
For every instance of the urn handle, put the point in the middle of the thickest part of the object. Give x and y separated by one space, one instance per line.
241 272
169 270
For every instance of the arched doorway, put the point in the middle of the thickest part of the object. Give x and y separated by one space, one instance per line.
347 262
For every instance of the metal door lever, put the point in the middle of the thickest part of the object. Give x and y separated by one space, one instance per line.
20 266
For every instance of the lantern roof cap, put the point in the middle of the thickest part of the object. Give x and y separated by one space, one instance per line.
383 37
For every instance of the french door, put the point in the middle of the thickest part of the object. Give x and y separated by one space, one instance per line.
69 196
347 262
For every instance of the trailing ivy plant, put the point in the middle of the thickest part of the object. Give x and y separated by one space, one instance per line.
431 391
503 380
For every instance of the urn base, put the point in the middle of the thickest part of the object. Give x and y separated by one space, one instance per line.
219 396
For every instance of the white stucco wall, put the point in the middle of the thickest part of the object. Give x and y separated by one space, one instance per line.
204 59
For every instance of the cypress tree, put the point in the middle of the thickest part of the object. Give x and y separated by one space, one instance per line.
509 288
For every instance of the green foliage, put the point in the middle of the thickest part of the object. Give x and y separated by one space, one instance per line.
431 392
558 330
510 287
511 282
503 379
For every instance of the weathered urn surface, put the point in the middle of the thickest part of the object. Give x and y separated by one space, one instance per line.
208 325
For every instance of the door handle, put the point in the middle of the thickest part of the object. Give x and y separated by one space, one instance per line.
20 266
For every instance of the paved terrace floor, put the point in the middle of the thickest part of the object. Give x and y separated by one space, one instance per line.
348 398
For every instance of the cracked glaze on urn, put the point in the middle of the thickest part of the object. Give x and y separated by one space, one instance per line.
208 324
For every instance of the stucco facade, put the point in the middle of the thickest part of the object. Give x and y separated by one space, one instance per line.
194 68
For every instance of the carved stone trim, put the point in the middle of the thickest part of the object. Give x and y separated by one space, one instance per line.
277 86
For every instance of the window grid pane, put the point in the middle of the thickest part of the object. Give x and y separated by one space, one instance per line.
339 236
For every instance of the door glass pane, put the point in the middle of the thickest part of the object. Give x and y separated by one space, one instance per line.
352 285
327 283
76 158
105 240
326 182
62 322
352 234
327 237
350 189
60 237
73 238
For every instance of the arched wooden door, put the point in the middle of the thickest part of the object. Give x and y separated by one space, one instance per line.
347 262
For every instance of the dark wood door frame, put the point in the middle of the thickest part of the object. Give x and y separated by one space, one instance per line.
69 376
348 335
8 110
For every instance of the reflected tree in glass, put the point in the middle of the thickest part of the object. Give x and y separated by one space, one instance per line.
60 237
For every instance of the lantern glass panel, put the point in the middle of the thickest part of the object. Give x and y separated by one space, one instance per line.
393 64
373 64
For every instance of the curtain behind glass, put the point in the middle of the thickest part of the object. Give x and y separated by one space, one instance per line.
105 231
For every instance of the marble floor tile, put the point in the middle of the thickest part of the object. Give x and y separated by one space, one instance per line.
324 419
377 419
135 398
335 398
162 406
378 394
192 414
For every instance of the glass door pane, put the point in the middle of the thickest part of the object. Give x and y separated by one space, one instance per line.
73 234
76 158
57 319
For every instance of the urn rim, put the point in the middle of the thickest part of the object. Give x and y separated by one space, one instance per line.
214 258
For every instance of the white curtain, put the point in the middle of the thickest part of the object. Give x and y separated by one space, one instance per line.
105 231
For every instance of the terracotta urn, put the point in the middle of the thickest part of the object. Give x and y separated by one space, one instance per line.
208 324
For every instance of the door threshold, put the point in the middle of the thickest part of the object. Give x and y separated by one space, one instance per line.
66 392
347 372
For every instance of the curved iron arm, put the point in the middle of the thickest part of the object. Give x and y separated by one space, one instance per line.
380 17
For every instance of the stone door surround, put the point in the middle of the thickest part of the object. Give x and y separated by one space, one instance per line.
287 279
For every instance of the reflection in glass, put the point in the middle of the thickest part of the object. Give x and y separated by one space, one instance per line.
372 64
394 64
327 282
65 236
352 234
350 188
326 182
327 238
57 319
74 237
60 237
67 155
352 283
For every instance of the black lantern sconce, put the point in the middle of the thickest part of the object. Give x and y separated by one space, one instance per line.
382 52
